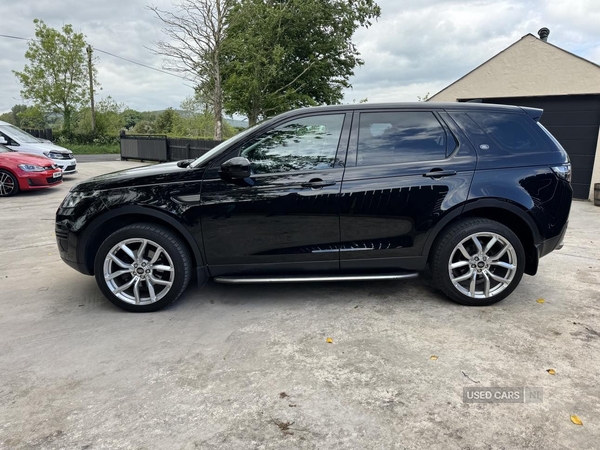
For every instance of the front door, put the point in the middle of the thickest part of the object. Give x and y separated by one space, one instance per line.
406 170
285 217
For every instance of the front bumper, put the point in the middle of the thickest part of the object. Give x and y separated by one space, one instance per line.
39 180
68 248
66 165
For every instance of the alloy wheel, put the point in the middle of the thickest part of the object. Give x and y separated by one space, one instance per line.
7 184
482 265
139 271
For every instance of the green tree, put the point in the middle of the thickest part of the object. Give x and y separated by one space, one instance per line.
13 116
32 117
197 120
131 117
56 78
166 121
144 126
17 111
109 118
7 117
283 54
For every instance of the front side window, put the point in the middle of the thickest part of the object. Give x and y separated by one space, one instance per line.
400 137
308 143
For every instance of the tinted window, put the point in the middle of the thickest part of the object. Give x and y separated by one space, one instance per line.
508 130
309 143
397 137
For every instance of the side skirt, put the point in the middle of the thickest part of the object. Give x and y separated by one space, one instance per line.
313 278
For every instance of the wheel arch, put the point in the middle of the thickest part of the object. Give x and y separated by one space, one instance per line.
15 176
6 169
106 224
508 214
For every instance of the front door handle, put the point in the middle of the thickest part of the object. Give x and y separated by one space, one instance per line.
317 183
439 173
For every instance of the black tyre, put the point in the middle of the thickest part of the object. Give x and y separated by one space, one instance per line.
142 267
478 262
9 185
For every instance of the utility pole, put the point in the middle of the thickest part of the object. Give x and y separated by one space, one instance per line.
89 53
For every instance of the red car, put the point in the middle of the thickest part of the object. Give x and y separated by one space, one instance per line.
22 172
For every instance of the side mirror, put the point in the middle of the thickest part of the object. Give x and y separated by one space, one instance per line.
3 140
235 168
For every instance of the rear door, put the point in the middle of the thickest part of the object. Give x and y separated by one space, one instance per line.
406 170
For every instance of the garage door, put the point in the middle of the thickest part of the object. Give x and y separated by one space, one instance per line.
574 120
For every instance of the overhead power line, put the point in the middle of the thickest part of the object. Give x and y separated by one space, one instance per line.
140 64
15 37
110 54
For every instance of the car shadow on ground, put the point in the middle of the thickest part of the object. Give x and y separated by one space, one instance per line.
277 296
288 294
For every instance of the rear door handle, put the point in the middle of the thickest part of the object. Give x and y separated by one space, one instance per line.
439 173
317 183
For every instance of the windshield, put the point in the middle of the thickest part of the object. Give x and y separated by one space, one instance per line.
18 135
238 137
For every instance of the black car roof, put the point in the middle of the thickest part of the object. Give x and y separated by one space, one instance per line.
414 105
535 113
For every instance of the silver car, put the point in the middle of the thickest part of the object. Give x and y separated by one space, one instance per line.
20 141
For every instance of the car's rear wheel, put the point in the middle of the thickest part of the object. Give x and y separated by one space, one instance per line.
8 184
142 267
478 262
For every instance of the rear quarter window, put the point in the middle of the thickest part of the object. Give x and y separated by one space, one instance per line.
509 131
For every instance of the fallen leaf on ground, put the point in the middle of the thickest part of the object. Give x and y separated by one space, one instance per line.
551 371
283 395
329 341
541 300
283 426
433 358
576 420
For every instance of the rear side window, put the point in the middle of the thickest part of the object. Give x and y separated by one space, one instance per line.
399 137
508 130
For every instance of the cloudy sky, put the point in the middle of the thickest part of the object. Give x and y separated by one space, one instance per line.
417 46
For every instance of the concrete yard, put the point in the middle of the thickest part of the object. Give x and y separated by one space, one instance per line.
245 367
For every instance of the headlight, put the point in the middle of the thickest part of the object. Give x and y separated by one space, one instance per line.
72 199
31 168
563 171
47 154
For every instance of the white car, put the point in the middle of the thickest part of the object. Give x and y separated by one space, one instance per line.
20 141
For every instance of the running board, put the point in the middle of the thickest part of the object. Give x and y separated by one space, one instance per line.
313 278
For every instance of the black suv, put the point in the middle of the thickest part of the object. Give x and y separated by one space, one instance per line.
476 192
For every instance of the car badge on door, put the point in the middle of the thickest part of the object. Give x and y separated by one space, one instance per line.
484 147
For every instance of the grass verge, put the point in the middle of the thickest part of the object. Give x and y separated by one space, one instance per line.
92 149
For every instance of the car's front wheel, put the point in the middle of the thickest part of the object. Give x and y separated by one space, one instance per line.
478 262
142 267
8 184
